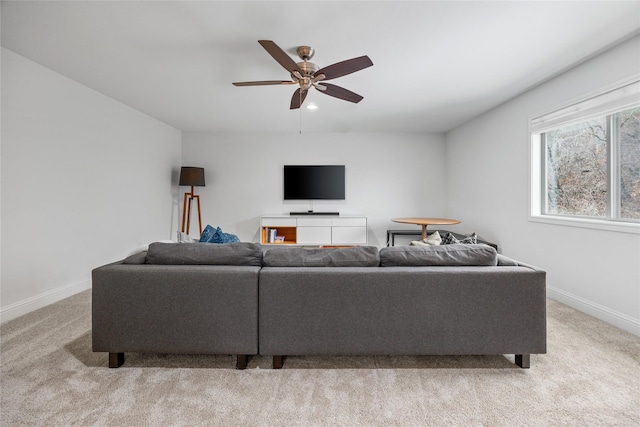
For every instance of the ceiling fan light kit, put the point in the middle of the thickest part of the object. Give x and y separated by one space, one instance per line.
307 74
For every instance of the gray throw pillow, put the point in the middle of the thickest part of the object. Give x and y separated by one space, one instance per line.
441 255
362 256
450 239
432 239
185 238
241 253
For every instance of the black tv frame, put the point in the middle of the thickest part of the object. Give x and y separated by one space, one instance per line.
314 175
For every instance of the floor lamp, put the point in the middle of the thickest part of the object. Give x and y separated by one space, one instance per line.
193 177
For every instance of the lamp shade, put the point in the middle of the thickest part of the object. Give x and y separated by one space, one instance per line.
192 176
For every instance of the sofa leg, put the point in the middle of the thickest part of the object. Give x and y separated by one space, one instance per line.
241 361
278 362
523 360
116 360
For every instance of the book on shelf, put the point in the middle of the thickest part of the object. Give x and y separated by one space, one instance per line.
271 234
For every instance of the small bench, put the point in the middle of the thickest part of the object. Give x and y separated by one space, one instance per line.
391 236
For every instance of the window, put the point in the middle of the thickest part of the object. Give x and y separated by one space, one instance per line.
586 160
628 176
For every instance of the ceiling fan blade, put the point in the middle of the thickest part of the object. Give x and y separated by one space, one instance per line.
264 83
340 92
343 68
279 55
298 98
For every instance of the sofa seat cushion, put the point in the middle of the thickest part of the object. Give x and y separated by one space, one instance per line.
241 253
361 256
442 255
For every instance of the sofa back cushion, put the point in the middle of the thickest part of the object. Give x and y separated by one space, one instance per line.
361 256
242 253
447 255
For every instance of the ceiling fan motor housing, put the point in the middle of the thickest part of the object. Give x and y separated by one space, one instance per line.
306 53
308 68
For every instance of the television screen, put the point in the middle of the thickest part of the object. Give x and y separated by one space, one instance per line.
317 182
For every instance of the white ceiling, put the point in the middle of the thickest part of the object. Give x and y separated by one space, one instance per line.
437 64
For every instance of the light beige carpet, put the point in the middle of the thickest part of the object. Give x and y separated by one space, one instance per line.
50 377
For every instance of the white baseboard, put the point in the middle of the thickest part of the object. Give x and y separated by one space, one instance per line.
33 303
598 311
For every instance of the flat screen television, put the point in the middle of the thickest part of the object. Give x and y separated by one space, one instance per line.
314 182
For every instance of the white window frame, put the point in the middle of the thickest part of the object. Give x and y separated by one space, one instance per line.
596 104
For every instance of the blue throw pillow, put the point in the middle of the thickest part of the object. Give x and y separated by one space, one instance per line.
208 234
228 237
216 235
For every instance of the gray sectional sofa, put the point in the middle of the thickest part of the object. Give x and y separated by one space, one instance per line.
192 298
286 301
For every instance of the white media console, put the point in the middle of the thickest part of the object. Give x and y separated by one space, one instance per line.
314 230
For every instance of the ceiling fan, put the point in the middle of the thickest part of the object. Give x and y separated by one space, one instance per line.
307 74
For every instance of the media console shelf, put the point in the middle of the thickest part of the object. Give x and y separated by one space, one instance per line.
315 230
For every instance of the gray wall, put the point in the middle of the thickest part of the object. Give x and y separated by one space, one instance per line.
85 179
387 176
594 270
